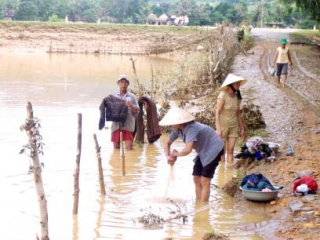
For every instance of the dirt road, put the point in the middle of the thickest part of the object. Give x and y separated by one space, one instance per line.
292 115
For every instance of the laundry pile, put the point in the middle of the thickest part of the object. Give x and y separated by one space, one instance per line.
255 148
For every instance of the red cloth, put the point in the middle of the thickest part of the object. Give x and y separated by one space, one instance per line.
126 136
309 181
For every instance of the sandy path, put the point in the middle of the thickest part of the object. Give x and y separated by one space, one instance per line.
292 117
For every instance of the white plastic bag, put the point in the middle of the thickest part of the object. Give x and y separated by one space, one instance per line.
272 71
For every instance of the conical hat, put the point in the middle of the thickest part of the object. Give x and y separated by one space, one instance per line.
231 78
176 116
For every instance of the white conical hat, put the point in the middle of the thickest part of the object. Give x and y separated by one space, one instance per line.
231 78
176 116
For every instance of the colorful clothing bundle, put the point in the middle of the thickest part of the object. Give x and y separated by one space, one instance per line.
306 180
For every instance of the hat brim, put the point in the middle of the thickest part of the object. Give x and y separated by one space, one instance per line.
123 79
231 78
176 116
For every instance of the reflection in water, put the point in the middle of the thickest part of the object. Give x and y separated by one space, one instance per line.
203 218
100 213
75 227
60 87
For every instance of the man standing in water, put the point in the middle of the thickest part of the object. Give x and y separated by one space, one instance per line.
133 109
282 58
200 137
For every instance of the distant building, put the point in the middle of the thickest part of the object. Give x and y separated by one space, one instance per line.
152 19
162 20
8 15
179 20
165 20
275 24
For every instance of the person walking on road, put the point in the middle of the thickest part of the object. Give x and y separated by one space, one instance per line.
200 137
282 58
228 116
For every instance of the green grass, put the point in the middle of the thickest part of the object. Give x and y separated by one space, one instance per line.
304 36
93 27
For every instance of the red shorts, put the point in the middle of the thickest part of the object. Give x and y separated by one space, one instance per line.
126 136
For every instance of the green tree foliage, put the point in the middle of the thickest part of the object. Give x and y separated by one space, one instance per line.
225 12
27 11
200 12
310 6
46 8
160 8
54 18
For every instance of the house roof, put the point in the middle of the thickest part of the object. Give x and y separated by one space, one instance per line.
152 16
163 17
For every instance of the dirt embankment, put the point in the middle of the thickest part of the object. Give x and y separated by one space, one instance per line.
99 39
292 116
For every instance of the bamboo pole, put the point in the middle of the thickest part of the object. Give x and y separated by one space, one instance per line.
32 132
77 169
101 179
140 87
123 169
152 84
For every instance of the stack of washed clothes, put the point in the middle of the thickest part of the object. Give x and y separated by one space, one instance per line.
257 182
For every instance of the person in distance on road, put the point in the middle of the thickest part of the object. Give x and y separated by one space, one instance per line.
282 58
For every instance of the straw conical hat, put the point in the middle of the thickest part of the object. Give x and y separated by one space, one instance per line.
231 78
176 116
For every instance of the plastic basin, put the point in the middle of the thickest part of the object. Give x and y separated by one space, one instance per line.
259 196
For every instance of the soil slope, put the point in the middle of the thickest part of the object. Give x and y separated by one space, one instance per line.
100 39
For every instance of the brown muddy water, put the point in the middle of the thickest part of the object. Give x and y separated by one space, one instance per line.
60 87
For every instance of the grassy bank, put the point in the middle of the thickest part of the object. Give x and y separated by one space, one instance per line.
304 36
98 28
306 53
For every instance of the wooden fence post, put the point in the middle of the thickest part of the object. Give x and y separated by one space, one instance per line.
77 170
101 179
33 133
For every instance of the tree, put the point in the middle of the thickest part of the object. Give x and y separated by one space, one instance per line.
46 9
160 8
184 7
143 15
28 11
225 12
204 13
310 6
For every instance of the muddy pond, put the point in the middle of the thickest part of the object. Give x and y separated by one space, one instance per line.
59 87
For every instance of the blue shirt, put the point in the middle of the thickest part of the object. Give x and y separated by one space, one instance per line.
206 142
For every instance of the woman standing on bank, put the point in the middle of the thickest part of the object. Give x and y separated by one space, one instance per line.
228 117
